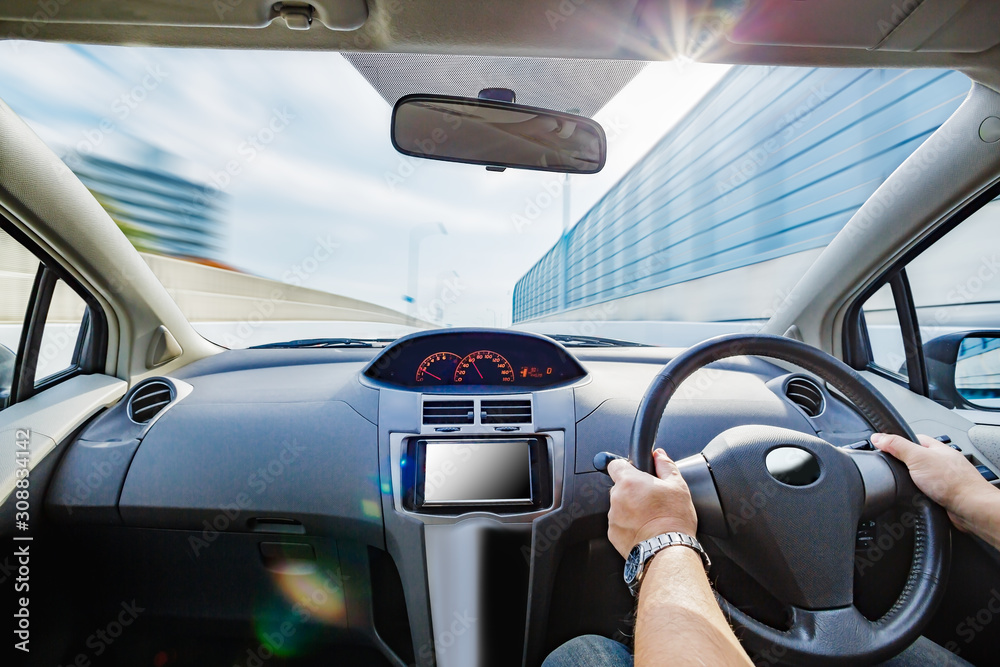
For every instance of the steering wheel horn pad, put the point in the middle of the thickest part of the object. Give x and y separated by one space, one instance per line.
797 540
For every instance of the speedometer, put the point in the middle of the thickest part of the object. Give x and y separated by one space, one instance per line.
484 367
438 368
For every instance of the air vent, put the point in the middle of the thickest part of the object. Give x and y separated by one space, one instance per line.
148 400
806 394
449 412
506 411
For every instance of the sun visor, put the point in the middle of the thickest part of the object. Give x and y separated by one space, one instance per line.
945 25
885 25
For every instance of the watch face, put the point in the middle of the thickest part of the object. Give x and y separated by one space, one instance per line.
632 564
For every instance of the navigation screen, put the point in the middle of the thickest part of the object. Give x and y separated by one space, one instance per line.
472 472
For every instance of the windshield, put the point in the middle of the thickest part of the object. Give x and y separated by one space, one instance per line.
264 192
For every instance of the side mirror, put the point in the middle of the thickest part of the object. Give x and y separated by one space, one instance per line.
963 369
497 134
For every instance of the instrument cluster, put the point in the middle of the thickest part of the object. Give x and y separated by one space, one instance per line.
474 357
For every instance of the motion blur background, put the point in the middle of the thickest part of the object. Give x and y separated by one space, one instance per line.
263 190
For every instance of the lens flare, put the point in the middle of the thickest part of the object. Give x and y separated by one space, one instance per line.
317 595
371 509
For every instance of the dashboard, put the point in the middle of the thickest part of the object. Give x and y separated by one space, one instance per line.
413 473
474 358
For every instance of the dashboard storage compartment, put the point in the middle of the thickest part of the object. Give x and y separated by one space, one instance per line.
231 467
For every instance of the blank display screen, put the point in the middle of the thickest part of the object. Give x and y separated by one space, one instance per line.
459 472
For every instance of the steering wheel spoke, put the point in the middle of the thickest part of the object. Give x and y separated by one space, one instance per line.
705 497
881 492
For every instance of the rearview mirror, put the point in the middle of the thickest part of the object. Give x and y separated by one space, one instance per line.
497 134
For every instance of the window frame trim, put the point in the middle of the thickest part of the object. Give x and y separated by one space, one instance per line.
31 334
909 328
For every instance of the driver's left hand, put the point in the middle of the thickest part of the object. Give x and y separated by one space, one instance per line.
643 506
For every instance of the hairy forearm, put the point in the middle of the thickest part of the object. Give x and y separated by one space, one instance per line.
679 621
979 513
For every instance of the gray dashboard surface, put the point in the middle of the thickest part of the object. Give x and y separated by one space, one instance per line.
228 466
283 375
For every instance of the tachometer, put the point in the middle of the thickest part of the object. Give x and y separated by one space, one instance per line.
484 367
439 368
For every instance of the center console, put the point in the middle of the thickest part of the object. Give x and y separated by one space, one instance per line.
474 427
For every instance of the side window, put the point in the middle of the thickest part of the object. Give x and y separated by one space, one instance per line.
46 327
58 350
18 269
956 281
885 336
955 285
936 323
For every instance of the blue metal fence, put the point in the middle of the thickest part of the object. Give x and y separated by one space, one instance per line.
773 161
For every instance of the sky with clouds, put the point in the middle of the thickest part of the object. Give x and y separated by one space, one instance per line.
309 138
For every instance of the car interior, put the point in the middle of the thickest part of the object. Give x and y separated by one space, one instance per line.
439 498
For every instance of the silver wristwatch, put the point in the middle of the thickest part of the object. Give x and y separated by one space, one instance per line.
635 564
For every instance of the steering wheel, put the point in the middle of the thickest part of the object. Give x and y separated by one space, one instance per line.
800 543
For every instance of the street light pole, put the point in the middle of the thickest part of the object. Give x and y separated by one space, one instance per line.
417 235
563 246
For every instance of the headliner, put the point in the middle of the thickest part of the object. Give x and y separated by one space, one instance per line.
953 34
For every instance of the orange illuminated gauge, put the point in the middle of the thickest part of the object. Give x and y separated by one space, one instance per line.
484 367
439 368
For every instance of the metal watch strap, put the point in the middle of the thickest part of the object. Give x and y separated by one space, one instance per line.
661 542
656 544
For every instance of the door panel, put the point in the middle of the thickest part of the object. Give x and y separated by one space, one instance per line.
37 426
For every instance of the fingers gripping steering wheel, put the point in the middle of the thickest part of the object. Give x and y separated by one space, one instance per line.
800 546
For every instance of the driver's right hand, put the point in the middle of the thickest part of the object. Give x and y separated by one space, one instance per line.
943 474
643 506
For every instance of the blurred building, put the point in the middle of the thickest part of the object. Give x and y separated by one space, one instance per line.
160 212
169 219
736 201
